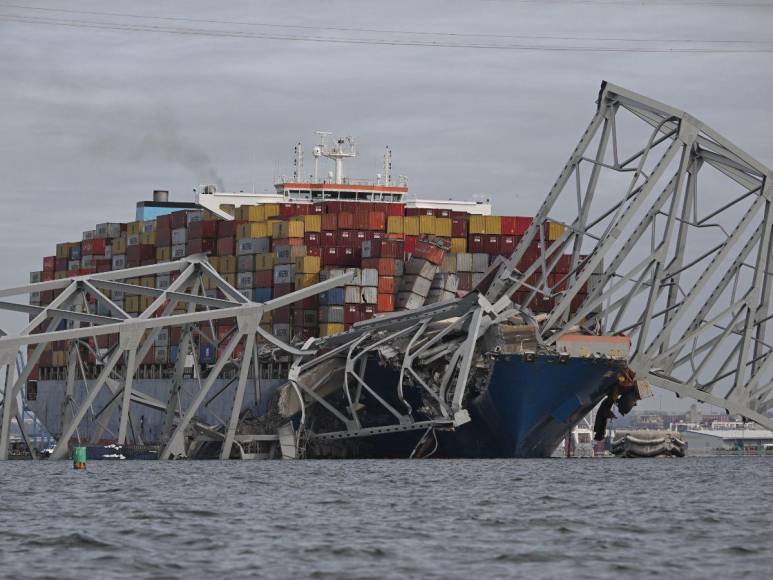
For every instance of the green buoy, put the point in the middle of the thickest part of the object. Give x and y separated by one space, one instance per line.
79 458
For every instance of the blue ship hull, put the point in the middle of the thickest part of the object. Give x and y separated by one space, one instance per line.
526 410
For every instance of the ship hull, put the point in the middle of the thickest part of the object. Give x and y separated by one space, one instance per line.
527 408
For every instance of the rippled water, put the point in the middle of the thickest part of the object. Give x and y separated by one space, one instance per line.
604 518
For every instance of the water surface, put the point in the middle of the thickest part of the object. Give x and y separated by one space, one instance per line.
593 518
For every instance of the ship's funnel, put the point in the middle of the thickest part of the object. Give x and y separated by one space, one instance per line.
161 195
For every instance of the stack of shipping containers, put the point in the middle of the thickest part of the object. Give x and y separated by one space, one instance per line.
402 258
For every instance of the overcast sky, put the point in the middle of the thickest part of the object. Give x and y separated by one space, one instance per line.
94 119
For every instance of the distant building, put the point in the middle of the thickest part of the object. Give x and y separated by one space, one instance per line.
728 441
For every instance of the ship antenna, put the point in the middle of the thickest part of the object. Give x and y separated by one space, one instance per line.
387 165
298 163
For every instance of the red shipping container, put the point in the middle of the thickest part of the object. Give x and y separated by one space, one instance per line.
61 264
227 228
163 222
376 220
332 206
395 209
310 303
282 290
465 280
350 257
312 240
202 229
313 251
86 271
378 235
429 252
202 245
507 245
287 210
95 247
385 302
475 244
330 256
329 239
368 311
386 249
558 282
352 313
47 276
361 221
411 211
225 246
361 236
141 252
458 227
345 220
347 239
385 266
304 208
281 314
409 244
521 225
262 278
329 221
563 264
163 238
317 208
386 285
104 265
49 264
178 219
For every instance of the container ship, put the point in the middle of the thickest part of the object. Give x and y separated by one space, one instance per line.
402 255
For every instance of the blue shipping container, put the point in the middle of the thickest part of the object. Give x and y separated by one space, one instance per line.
334 296
262 294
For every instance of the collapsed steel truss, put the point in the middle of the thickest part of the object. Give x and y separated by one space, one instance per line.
695 305
669 229
136 336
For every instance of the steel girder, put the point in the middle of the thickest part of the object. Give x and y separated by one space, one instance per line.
68 318
668 228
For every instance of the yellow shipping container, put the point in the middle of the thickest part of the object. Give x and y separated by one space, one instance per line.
305 280
411 225
228 208
443 227
267 327
330 328
493 225
148 281
163 253
134 281
59 358
145 302
63 249
395 224
134 228
555 231
252 213
295 229
209 216
209 283
264 262
427 224
215 262
253 230
230 277
148 238
477 224
119 246
307 265
272 209
458 245
149 226
59 275
279 229
131 304
312 223
228 266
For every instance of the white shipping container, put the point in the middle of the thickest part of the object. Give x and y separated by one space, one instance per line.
244 280
436 295
74 265
444 281
369 277
369 295
357 280
178 251
119 262
282 331
117 296
133 240
479 262
419 267
148 226
194 216
409 301
162 339
87 261
161 354
352 295
179 236
333 314
35 298
476 278
35 277
416 285
284 274
89 234
163 281
326 274
463 262
107 231
108 251
449 263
